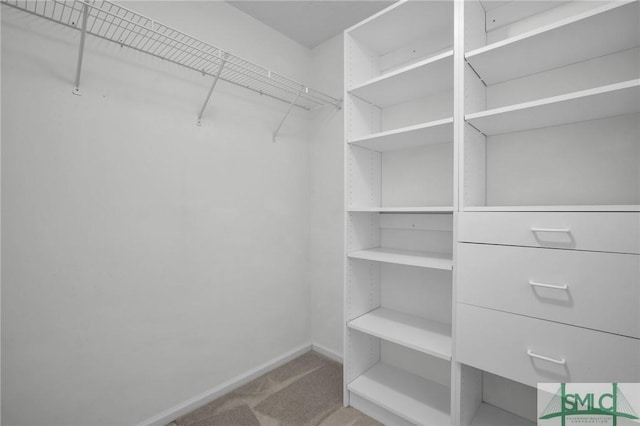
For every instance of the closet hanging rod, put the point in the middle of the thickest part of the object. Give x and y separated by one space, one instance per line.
125 27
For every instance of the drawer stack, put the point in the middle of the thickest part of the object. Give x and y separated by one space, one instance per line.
549 297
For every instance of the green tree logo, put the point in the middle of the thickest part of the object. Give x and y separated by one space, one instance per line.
613 404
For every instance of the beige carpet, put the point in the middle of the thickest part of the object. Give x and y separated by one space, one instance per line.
304 392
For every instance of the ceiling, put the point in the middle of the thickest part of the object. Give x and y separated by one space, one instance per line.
310 22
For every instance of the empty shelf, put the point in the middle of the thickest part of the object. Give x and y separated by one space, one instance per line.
400 209
607 29
403 23
600 102
428 336
576 208
488 415
406 257
434 132
411 397
415 81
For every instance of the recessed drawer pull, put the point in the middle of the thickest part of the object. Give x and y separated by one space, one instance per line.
560 230
553 286
546 358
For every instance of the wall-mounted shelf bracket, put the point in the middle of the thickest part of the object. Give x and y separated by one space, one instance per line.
83 33
223 59
286 115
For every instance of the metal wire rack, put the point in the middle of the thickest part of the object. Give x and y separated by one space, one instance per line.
112 22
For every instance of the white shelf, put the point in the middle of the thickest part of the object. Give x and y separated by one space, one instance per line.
400 209
414 81
600 102
603 30
402 23
405 257
411 397
577 208
431 133
488 415
427 336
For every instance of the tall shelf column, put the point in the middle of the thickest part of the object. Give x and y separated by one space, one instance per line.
401 192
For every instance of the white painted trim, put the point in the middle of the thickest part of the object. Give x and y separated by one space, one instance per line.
197 401
329 353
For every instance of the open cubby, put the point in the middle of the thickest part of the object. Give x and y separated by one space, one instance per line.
402 111
414 177
490 400
578 166
396 384
398 38
392 235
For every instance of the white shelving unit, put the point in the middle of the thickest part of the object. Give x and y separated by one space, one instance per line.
430 337
417 400
539 103
400 199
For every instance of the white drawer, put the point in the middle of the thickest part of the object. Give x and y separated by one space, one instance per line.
613 232
512 346
603 289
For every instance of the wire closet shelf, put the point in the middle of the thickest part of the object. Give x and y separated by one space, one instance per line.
125 27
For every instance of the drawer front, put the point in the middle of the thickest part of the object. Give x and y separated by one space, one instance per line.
515 347
602 289
612 232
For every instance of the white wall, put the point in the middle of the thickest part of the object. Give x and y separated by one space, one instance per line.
327 201
145 259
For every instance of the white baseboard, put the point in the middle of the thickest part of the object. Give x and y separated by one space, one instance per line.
329 353
198 401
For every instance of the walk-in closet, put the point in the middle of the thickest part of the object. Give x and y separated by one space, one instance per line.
320 213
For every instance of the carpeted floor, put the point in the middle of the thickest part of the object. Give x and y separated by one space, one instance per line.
304 392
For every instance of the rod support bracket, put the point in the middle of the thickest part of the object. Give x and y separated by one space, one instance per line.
223 59
275 133
83 33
